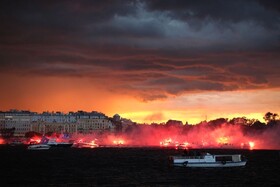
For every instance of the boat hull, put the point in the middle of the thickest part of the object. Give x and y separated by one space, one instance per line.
209 165
60 144
38 147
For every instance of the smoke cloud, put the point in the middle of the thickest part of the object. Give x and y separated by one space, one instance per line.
224 136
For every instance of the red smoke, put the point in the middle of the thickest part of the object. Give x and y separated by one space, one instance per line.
224 136
2 141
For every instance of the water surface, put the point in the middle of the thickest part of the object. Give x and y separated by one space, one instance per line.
129 167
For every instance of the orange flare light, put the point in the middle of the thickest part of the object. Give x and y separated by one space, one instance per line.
169 142
35 140
252 145
223 140
2 141
118 142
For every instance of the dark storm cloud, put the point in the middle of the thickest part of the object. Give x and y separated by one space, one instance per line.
148 24
263 11
151 49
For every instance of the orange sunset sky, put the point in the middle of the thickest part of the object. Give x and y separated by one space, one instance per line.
149 61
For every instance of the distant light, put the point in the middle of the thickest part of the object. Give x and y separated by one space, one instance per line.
252 145
223 140
118 142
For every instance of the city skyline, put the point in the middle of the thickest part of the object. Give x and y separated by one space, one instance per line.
148 61
18 112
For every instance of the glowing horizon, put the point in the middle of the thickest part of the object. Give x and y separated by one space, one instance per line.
57 95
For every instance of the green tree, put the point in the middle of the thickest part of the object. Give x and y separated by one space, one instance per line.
270 117
31 134
7 132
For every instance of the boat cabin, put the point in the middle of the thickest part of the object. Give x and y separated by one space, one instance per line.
228 158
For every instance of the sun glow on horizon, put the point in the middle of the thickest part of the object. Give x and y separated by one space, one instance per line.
141 117
59 94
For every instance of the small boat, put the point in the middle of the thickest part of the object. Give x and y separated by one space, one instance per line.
39 147
16 142
208 160
53 143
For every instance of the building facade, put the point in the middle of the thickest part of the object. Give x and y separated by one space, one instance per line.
55 122
88 123
20 121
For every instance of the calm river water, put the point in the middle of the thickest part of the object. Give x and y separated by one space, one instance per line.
129 167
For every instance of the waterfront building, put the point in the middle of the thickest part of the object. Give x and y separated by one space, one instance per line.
117 117
126 123
20 121
93 122
55 122
2 120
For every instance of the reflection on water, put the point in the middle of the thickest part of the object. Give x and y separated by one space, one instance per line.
128 167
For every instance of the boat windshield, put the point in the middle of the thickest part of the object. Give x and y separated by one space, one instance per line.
193 154
223 158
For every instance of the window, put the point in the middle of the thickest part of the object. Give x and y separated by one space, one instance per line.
224 158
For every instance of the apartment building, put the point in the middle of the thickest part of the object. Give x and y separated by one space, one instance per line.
55 122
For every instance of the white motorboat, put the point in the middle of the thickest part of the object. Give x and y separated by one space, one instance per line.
39 147
53 143
208 160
